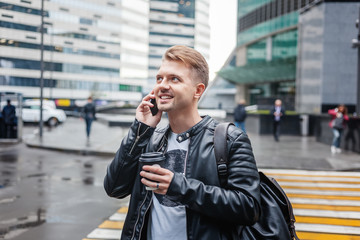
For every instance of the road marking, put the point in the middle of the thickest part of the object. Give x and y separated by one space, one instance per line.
330 221
104 234
320 201
118 217
323 192
326 203
109 229
319 180
112 224
325 207
325 236
123 210
326 213
292 172
325 228
317 185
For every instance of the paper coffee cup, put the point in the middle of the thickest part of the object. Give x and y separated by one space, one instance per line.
153 159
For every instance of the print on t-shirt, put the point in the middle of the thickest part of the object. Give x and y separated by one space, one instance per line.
175 163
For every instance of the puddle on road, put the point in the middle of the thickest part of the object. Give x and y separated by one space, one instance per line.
11 228
9 158
88 173
8 161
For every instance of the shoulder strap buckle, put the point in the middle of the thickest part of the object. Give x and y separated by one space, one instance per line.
222 169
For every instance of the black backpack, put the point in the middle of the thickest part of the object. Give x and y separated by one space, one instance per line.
276 219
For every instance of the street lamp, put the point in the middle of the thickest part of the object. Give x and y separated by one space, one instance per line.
41 69
356 44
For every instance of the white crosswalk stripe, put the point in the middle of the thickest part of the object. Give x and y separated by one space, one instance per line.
105 234
326 213
322 228
325 202
118 217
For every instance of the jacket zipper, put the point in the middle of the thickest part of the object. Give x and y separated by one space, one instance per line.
137 220
147 209
186 158
185 163
162 144
138 136
142 204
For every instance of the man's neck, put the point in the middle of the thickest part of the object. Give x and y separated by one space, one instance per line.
182 122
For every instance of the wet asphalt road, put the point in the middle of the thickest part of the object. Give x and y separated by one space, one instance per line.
51 195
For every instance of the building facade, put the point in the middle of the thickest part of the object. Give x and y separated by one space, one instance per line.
176 22
290 49
265 56
91 47
327 64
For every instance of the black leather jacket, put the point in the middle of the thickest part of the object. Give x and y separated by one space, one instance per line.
212 212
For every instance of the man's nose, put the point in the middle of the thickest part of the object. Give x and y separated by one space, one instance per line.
164 84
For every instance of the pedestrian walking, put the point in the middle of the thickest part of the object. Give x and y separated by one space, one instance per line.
89 115
278 112
352 129
240 115
9 118
338 119
188 201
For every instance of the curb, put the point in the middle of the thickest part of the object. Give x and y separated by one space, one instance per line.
84 152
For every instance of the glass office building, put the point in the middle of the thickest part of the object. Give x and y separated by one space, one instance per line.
263 65
91 47
177 22
296 50
266 52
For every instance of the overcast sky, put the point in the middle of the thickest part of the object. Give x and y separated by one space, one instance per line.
223 32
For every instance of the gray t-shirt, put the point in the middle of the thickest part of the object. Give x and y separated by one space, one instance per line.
167 218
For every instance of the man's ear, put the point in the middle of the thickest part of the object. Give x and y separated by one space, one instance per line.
200 88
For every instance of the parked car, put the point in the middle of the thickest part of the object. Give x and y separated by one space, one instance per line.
51 116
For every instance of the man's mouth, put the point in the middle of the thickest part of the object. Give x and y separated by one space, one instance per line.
165 97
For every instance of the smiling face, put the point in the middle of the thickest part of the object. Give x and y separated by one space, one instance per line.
176 88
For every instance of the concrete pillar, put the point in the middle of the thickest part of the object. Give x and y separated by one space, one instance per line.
241 89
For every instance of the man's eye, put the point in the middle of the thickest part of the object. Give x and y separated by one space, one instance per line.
175 79
159 79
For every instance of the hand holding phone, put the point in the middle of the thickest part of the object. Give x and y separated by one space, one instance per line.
154 110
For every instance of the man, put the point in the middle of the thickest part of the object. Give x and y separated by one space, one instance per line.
9 115
278 112
89 115
188 202
240 115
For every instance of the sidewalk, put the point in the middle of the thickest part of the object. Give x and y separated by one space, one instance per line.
292 152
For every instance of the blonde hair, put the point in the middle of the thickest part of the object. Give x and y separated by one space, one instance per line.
191 58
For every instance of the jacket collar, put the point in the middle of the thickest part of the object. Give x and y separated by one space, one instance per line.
193 130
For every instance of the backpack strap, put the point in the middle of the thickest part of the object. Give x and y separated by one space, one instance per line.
220 148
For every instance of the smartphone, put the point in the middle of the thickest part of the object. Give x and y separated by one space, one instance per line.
154 110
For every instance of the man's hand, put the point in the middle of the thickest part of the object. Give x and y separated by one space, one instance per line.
143 112
154 176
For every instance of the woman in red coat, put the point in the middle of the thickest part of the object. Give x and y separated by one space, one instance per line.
337 123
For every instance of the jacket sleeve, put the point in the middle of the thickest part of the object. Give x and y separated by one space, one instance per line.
332 112
122 171
238 202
